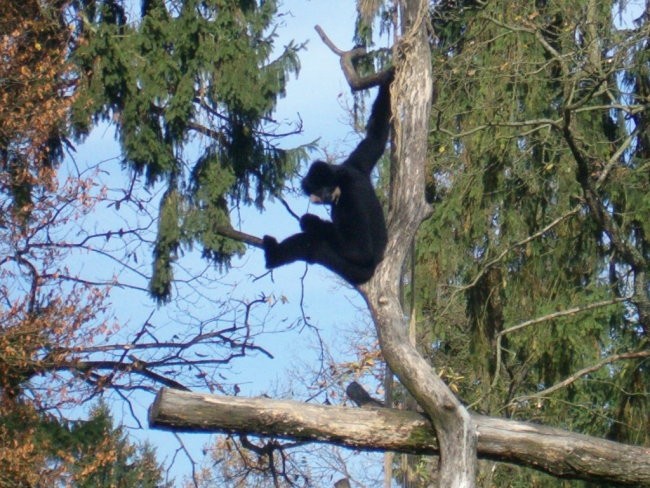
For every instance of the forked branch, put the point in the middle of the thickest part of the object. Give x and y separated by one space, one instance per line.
347 59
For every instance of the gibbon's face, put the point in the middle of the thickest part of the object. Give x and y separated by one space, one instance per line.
326 196
320 184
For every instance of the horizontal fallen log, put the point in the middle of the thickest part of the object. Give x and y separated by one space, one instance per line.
554 451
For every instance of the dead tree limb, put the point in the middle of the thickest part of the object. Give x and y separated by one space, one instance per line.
554 451
347 59
240 236
412 91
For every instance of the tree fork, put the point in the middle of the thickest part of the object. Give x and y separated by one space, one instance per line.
347 58
411 96
554 451
412 91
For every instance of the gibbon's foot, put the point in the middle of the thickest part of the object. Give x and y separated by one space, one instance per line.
310 223
270 245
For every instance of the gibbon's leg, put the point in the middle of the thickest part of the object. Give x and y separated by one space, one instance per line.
304 247
326 255
294 248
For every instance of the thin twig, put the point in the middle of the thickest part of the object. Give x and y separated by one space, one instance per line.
545 318
583 372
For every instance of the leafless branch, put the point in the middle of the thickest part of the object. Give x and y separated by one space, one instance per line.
240 236
583 372
347 59
193 463
545 318
497 259
558 452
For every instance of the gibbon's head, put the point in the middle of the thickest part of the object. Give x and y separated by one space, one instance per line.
321 183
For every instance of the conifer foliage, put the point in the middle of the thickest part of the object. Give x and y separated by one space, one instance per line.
532 274
175 74
40 450
190 87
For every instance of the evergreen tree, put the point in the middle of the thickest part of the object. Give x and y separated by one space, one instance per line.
103 456
41 450
190 87
533 268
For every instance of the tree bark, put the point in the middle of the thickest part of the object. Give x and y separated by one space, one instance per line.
412 91
554 451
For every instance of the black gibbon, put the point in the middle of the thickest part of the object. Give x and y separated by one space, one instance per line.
352 244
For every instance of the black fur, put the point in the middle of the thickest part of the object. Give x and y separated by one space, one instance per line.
353 243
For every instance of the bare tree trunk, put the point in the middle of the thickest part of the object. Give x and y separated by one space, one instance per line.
411 95
554 451
388 401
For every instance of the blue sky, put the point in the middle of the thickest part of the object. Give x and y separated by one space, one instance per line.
318 97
